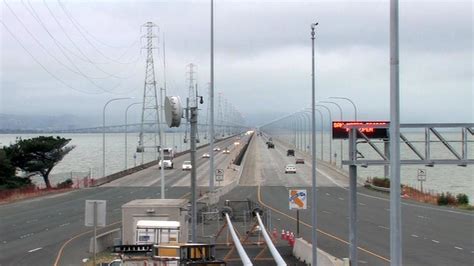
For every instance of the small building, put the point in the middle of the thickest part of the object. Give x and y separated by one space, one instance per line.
154 221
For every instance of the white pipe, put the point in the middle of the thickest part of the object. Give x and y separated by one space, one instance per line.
243 256
278 259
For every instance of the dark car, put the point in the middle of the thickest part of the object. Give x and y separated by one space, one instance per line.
299 161
270 145
290 152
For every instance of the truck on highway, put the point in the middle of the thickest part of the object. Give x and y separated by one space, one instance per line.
168 155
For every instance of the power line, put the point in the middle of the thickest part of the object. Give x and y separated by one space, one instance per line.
79 72
77 26
87 59
42 66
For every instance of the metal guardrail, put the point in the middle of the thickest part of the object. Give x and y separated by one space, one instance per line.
278 259
240 249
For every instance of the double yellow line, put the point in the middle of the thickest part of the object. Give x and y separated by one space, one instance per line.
259 197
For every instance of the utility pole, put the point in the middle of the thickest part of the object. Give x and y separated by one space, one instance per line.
150 122
211 96
219 113
314 234
395 205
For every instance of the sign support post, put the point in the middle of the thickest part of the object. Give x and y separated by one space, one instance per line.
353 197
297 222
94 243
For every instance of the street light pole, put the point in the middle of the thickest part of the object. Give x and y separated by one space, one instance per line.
103 130
330 125
126 131
395 205
211 102
340 112
349 100
314 235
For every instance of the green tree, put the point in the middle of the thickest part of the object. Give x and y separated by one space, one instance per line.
38 155
8 178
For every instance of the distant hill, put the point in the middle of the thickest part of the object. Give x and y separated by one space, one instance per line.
32 123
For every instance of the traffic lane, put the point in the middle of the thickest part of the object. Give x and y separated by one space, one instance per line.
430 223
149 176
46 234
334 225
183 177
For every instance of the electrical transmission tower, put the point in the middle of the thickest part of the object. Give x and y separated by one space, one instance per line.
192 94
220 118
208 112
150 110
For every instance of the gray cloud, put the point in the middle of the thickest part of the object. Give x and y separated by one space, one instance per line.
262 55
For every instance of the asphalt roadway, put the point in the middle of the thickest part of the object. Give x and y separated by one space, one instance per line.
48 230
36 231
431 235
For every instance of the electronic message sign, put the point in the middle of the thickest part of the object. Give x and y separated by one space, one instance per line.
372 129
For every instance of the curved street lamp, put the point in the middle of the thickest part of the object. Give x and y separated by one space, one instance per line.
126 130
330 123
103 129
340 111
349 100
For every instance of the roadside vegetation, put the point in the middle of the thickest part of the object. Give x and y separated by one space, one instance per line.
27 158
441 199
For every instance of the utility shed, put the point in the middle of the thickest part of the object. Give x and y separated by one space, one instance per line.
137 212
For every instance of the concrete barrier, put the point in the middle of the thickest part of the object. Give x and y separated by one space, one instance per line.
106 179
302 250
105 240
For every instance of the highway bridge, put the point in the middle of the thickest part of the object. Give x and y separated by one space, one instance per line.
50 230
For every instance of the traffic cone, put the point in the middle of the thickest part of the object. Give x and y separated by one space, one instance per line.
275 233
283 234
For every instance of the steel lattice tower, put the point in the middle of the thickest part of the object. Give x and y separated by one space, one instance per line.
220 118
150 110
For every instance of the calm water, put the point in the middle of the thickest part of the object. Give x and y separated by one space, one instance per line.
86 157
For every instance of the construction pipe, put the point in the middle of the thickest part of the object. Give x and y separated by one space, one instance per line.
243 256
276 256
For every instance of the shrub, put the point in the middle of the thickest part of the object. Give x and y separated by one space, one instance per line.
381 182
462 199
65 184
446 199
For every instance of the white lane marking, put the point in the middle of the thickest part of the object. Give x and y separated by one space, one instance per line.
384 227
414 235
33 250
458 248
341 198
27 235
422 217
327 194
119 197
326 212
362 204
29 221
388 200
436 241
63 224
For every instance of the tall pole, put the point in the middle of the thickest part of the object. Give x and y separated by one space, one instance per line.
211 94
103 130
126 132
395 208
314 235
193 121
353 197
340 112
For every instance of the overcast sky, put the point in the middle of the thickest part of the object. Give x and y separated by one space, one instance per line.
262 55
